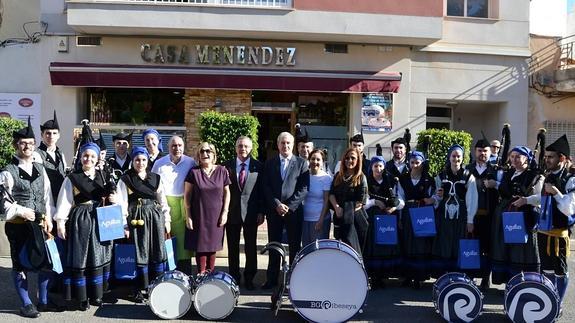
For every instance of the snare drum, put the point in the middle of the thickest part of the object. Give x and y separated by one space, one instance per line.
216 295
170 295
456 298
531 297
328 282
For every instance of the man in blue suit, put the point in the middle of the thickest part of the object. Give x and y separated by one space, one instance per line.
285 186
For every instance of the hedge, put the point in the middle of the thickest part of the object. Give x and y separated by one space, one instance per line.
223 129
7 126
441 140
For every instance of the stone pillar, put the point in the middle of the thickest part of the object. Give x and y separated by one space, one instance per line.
197 101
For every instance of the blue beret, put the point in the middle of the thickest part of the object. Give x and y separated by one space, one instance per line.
90 145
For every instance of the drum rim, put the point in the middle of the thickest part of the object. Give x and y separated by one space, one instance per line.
440 293
358 259
531 282
210 279
186 291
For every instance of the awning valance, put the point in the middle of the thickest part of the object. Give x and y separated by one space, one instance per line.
109 75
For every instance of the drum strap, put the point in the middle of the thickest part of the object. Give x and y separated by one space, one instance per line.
557 235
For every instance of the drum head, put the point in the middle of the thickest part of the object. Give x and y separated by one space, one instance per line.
531 300
214 300
170 299
328 285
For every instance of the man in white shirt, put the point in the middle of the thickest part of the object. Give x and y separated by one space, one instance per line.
173 170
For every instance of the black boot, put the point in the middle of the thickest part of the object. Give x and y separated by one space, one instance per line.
29 311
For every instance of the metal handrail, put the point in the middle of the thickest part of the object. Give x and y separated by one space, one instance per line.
223 3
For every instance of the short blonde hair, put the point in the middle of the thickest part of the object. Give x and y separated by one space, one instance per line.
212 148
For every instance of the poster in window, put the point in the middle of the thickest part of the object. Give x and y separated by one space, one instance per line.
377 112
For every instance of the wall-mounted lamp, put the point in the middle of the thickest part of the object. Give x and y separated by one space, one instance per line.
218 104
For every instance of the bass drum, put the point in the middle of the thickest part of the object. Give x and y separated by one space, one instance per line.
328 282
170 295
531 297
456 298
216 295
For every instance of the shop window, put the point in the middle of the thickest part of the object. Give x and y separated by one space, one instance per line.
336 48
438 117
160 107
472 8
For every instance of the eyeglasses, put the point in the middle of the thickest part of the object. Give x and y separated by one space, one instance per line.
207 151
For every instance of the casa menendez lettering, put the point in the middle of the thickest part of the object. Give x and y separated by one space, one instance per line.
218 55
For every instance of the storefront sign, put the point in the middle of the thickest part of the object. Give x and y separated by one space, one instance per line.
218 55
21 106
377 112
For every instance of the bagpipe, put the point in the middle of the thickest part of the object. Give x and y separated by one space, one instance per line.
539 148
502 160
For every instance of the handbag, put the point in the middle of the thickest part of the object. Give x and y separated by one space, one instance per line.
545 221
110 222
423 221
385 229
468 254
125 261
514 227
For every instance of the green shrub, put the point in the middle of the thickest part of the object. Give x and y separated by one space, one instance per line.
7 126
441 140
223 129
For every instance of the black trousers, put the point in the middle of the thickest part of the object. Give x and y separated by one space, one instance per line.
233 232
292 222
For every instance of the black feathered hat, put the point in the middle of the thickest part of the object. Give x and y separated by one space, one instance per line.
301 134
561 146
50 124
483 142
24 133
122 136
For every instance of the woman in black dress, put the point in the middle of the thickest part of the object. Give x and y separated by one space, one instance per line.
418 187
381 261
520 191
87 260
457 197
348 195
148 218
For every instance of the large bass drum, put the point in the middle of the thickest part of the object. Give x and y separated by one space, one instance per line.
456 298
531 297
328 282
216 295
170 295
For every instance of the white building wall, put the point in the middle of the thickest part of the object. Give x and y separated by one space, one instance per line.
548 17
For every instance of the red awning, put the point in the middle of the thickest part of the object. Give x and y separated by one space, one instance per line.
107 75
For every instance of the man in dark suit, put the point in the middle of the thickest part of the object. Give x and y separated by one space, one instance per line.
246 210
286 182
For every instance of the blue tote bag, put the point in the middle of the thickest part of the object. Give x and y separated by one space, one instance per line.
545 221
423 221
54 255
514 228
469 254
385 229
171 252
125 261
110 222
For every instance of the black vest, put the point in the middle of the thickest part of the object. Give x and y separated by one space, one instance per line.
86 189
392 171
423 189
486 197
141 189
521 185
559 180
459 180
28 190
54 169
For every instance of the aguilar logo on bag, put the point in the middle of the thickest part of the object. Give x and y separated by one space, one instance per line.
470 253
109 223
424 221
386 229
126 260
514 227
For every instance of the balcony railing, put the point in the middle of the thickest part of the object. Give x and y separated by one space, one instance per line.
223 3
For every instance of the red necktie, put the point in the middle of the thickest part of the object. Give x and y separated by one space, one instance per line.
242 176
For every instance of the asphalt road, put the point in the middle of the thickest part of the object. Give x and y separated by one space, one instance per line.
392 304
